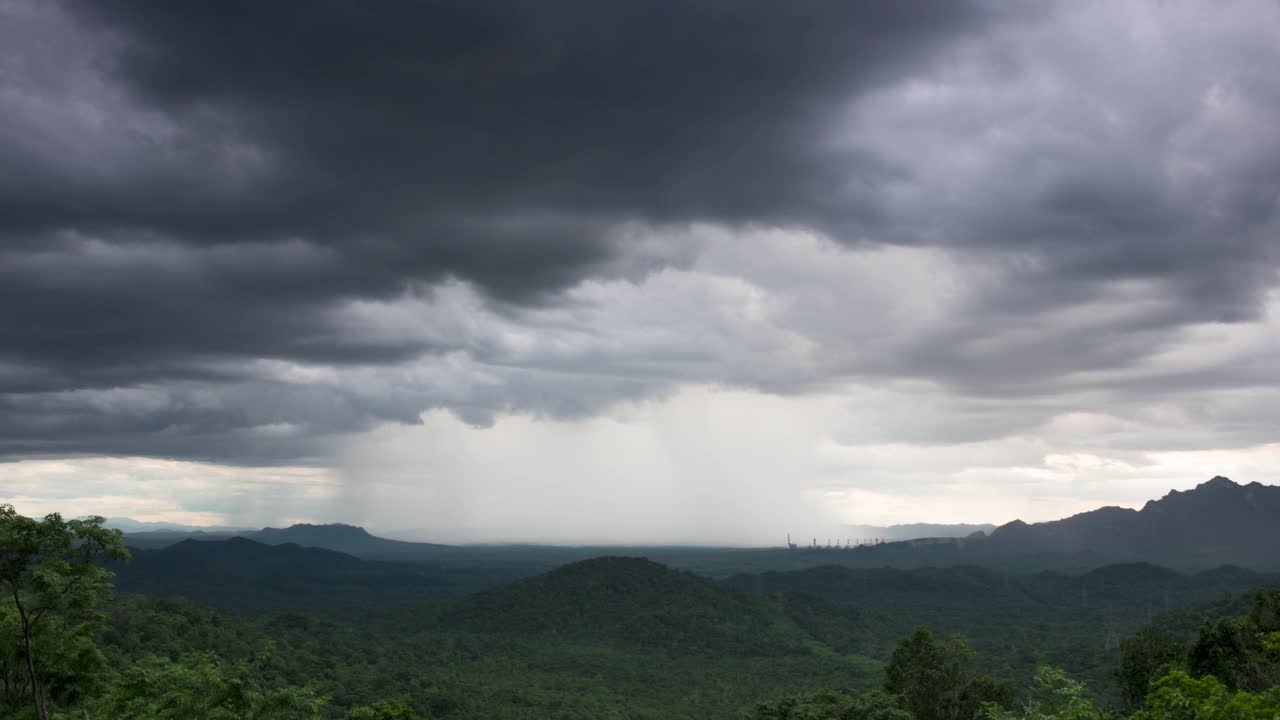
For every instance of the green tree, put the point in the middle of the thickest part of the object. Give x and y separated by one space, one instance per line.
51 576
1223 651
1237 652
1178 696
1055 696
832 705
384 710
200 686
1265 615
1144 657
1242 652
13 668
937 680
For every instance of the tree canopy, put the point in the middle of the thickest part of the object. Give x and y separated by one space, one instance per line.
55 585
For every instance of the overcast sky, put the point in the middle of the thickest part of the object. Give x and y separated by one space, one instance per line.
635 271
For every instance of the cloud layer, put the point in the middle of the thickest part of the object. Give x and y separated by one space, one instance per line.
266 235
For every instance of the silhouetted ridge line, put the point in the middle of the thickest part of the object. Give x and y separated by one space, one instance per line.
1217 522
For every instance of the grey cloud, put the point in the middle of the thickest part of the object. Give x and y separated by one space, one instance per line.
194 190
190 184
1129 177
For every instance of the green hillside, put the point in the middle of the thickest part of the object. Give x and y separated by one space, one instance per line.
633 600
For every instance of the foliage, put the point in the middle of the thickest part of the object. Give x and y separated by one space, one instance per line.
1054 696
1241 651
1013 620
384 710
630 639
54 587
473 675
936 680
1178 696
832 705
636 601
1144 657
201 687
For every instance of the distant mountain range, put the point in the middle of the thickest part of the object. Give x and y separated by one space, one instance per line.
344 538
238 572
1217 523
913 531
129 525
341 538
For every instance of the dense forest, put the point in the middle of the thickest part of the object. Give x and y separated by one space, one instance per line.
285 631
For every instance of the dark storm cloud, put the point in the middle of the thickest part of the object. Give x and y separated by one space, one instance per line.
192 185
231 230
496 141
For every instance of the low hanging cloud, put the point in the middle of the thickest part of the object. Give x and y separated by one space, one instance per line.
261 235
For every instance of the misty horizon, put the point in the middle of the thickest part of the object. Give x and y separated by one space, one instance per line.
840 536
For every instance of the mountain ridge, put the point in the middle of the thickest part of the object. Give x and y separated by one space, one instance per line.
916 530
1219 522
1215 523
238 571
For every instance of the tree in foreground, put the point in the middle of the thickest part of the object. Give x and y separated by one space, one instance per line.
201 686
1178 696
1242 652
1054 696
54 584
1145 657
936 680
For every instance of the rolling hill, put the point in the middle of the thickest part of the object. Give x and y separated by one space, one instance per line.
242 573
635 601
1130 585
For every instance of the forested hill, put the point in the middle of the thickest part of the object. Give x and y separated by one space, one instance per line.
243 573
635 601
608 637
1129 585
1015 619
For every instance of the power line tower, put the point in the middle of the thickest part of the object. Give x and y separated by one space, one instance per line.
1112 639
